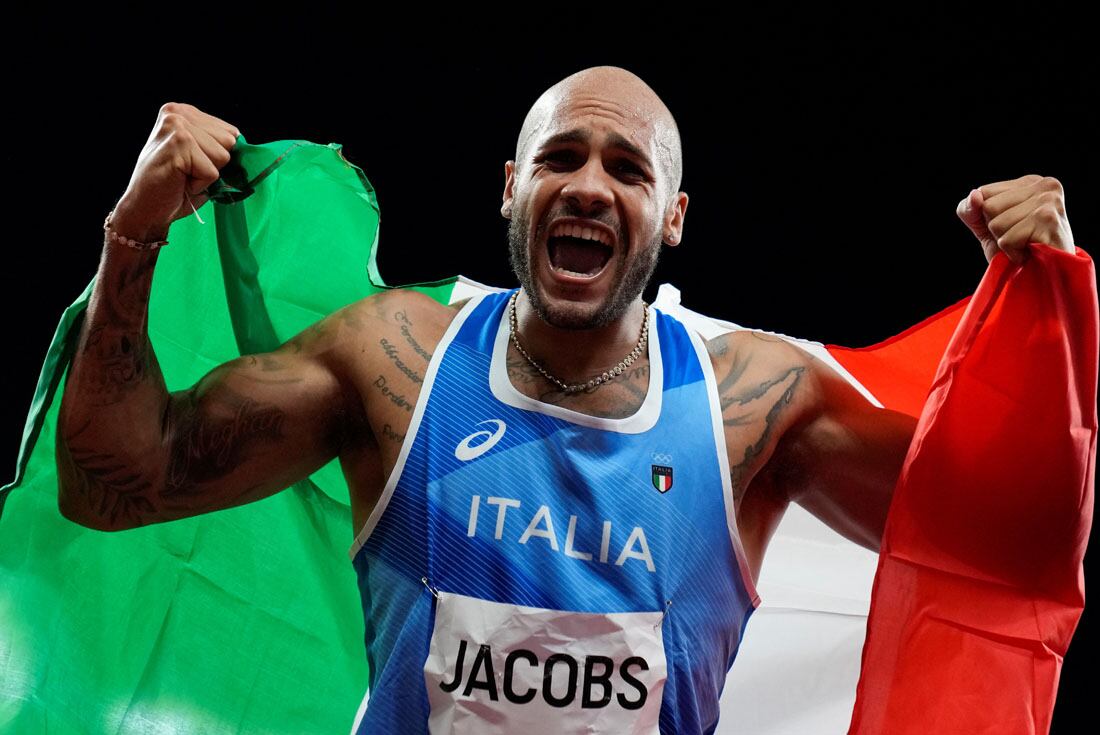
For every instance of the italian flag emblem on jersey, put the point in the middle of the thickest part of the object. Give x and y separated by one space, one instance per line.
662 477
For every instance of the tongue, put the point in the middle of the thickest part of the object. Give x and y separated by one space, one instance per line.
579 256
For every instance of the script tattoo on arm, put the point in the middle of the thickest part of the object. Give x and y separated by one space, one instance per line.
210 442
402 318
405 327
398 399
391 352
389 433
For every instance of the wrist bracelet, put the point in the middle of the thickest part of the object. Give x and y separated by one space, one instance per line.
115 237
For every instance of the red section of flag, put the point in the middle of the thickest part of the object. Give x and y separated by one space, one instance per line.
980 584
899 371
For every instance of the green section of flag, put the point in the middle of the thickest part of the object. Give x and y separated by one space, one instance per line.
242 620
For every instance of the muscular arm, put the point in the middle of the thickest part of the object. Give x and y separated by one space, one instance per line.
845 457
796 431
841 457
129 453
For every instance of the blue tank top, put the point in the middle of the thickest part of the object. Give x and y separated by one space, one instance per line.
529 568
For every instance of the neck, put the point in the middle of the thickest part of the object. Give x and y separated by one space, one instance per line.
575 355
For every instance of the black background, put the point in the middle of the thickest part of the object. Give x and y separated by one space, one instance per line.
824 157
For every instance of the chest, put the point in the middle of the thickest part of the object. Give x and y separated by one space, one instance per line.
491 500
559 517
392 371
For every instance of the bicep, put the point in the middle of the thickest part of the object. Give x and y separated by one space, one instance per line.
253 426
843 462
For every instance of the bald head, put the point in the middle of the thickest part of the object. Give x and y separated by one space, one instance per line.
628 90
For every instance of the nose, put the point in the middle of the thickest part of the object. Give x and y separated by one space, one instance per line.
588 188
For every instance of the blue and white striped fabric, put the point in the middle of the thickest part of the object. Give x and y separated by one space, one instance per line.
501 498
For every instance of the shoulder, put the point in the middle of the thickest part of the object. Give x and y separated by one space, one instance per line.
754 354
768 388
384 305
357 332
748 362
751 352
402 310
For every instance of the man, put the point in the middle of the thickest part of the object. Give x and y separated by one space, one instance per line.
561 497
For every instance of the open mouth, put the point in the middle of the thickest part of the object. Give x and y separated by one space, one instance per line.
578 257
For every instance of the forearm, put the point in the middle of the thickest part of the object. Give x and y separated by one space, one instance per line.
109 447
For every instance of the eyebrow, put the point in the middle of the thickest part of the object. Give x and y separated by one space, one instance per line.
577 135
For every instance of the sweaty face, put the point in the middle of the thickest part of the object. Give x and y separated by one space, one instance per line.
586 224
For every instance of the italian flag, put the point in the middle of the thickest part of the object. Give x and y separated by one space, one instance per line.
249 619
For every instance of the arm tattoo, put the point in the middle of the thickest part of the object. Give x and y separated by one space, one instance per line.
106 484
116 355
739 472
756 411
267 365
389 433
402 318
398 399
391 352
128 304
113 362
414 344
313 332
205 448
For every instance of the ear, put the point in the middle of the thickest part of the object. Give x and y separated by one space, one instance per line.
509 182
674 219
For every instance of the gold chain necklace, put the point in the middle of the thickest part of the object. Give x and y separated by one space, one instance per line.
602 378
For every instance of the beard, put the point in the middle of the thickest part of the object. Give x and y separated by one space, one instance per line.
631 279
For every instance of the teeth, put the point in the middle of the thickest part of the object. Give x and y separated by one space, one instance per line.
568 272
587 233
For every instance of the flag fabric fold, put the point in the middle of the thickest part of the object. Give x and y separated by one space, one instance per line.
248 619
980 581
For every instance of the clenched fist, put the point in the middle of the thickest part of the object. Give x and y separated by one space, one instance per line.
182 157
1007 215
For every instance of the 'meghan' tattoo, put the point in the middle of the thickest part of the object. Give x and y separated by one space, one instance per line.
205 448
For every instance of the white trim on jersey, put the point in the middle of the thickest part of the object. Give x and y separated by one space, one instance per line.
360 713
723 463
414 425
644 419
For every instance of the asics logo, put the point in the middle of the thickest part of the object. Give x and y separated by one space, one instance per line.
465 452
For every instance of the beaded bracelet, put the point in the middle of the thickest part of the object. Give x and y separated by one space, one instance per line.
115 237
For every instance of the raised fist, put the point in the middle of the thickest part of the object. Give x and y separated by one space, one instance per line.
183 156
